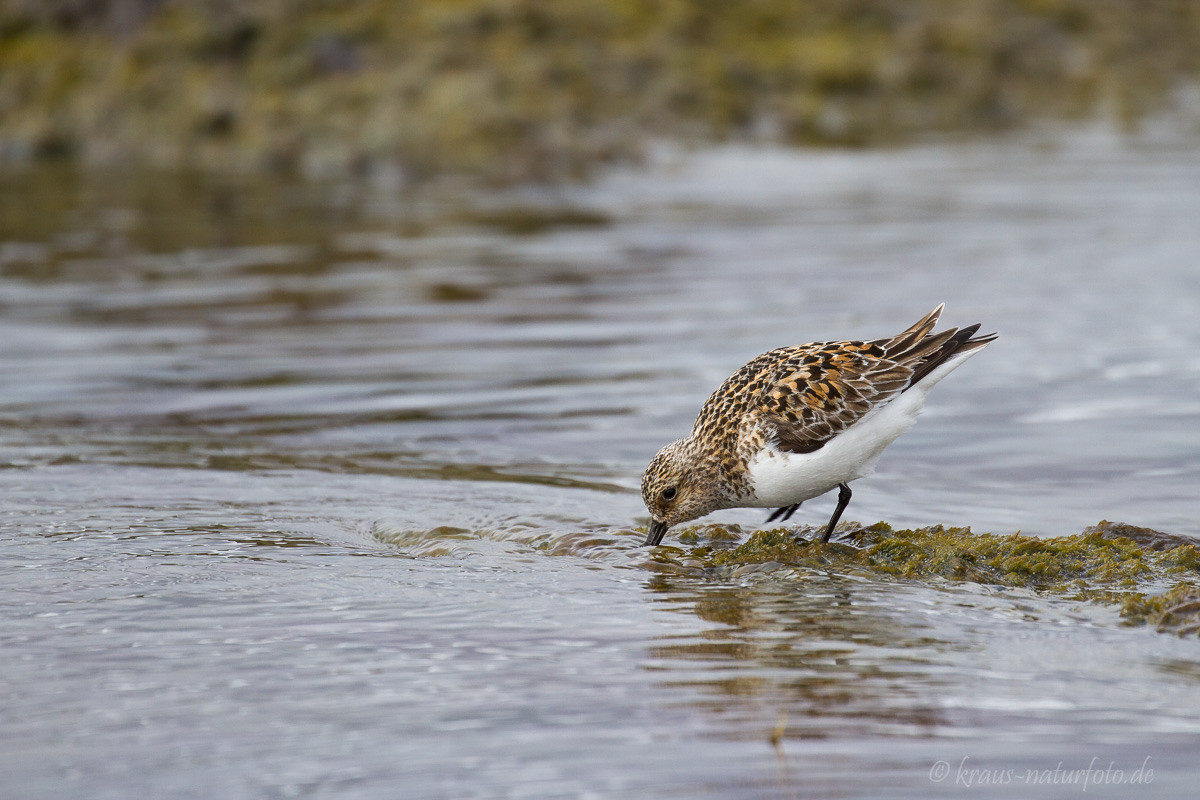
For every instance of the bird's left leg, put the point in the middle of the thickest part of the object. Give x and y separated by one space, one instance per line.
783 514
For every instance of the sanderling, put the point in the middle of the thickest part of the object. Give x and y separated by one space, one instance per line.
800 421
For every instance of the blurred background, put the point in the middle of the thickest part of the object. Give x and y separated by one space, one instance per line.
334 337
523 90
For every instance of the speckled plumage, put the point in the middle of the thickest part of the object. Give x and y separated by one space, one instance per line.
764 437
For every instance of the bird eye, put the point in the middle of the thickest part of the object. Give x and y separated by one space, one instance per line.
669 493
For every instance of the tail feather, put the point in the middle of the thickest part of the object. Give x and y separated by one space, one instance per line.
923 351
958 342
910 337
925 348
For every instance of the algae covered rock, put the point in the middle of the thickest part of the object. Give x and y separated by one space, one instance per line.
1176 611
1108 562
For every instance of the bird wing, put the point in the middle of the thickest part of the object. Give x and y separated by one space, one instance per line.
816 391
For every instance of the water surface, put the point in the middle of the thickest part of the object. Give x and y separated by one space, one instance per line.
329 491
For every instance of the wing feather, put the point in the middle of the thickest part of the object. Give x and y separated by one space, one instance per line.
816 391
807 394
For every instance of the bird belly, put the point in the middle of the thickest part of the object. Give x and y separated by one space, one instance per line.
780 478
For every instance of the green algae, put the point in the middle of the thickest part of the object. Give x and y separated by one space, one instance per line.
1109 562
1174 611
519 89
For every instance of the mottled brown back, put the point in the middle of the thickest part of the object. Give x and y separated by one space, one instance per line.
806 394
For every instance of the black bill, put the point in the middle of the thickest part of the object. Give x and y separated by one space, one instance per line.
657 530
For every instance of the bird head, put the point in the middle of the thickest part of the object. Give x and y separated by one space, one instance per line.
676 488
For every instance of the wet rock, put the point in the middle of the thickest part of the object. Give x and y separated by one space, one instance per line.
1176 611
1147 538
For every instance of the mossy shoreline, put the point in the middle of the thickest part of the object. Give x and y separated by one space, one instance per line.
519 90
1153 576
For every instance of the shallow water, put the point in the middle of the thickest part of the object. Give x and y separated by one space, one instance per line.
317 491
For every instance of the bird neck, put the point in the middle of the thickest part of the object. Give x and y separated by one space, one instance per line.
721 474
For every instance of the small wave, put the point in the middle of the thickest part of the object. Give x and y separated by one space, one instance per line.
597 543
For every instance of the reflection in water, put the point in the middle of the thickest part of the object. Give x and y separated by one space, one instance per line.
826 654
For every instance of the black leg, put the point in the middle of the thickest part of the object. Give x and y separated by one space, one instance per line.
782 514
843 501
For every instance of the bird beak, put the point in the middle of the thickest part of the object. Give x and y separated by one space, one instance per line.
657 530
